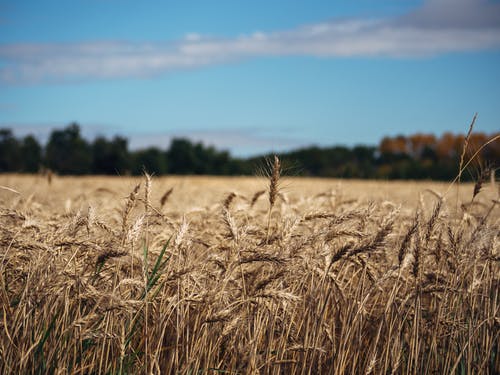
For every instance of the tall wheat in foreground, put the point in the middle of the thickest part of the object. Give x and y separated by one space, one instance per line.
95 279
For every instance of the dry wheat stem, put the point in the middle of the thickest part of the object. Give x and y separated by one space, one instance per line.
367 286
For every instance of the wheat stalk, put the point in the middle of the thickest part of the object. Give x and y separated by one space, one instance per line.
273 190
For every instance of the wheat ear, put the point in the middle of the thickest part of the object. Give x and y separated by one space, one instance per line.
273 189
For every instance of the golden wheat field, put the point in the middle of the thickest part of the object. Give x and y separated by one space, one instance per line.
216 275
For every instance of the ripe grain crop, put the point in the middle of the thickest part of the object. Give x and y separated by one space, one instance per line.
198 275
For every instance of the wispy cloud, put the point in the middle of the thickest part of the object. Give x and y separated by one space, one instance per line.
8 107
241 142
437 27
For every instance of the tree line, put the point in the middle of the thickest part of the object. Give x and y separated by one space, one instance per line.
418 156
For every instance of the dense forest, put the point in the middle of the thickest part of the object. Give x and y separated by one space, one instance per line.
418 156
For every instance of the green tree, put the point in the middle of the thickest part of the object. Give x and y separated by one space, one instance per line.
31 152
67 152
110 157
151 160
181 156
10 156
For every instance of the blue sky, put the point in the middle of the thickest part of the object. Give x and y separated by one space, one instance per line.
250 76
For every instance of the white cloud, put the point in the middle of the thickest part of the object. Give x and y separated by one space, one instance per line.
8 107
192 37
437 27
240 142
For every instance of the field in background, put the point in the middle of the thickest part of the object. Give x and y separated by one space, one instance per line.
191 192
198 275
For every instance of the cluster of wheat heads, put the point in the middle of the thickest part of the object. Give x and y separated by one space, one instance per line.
257 282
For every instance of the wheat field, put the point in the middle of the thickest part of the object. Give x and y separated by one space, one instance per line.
213 275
